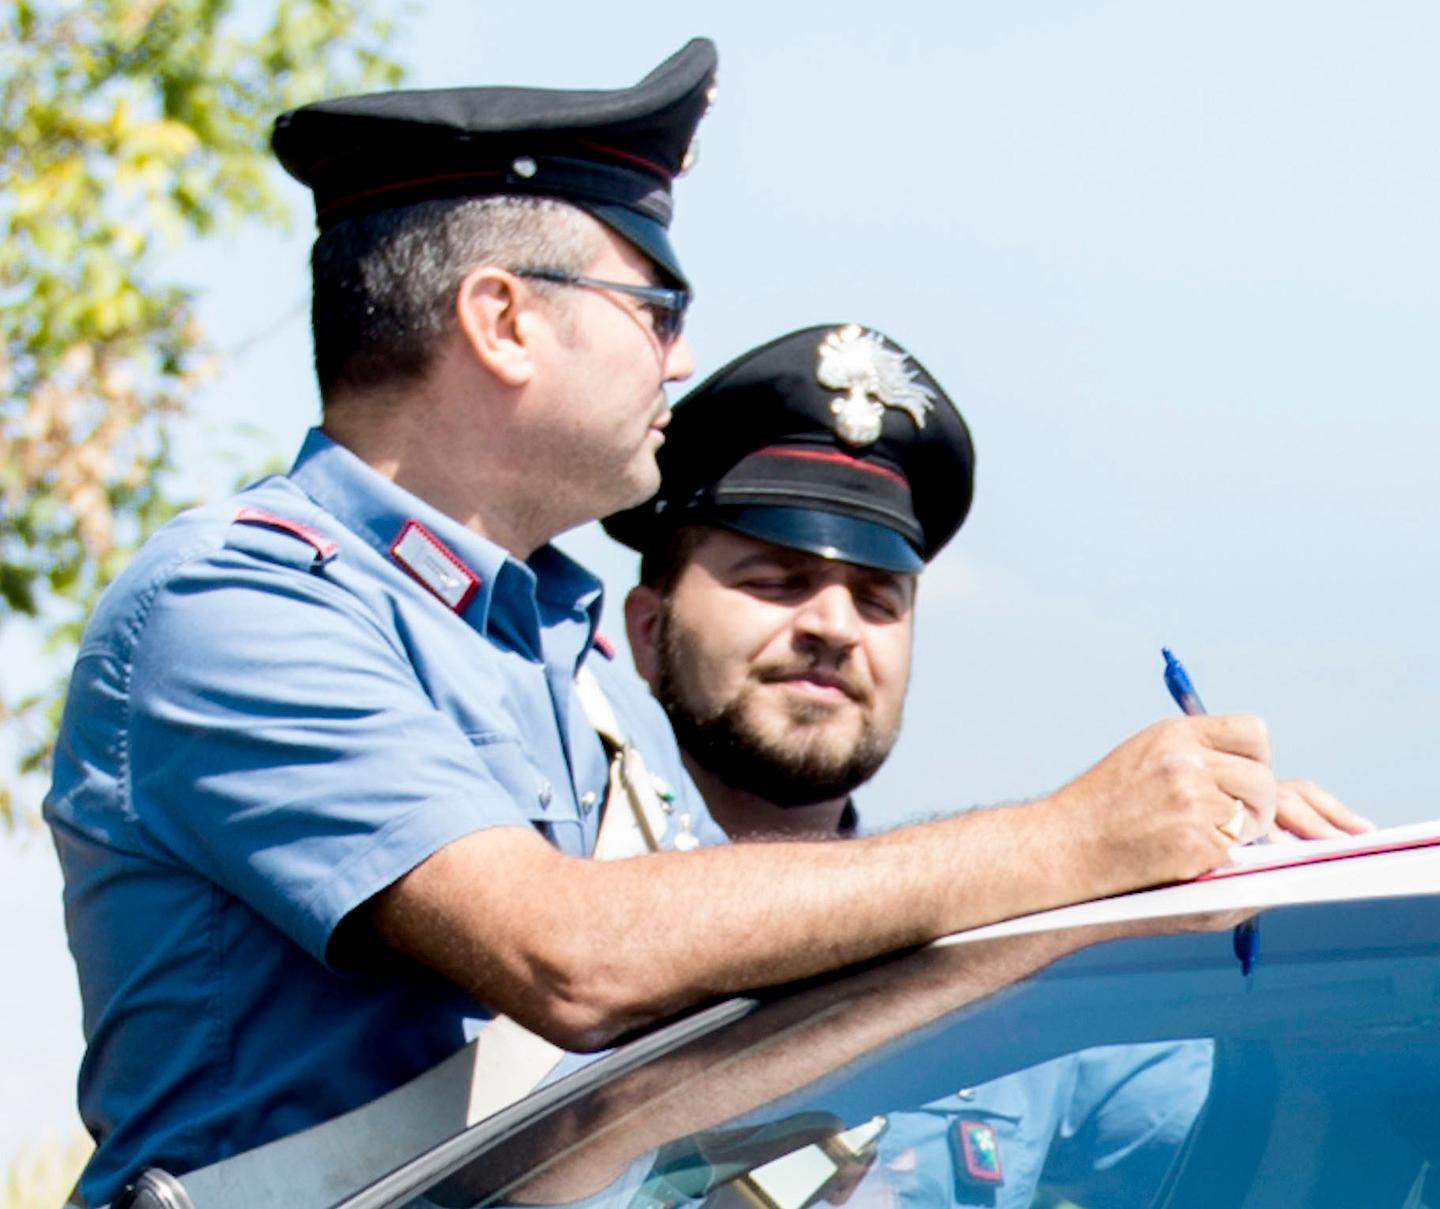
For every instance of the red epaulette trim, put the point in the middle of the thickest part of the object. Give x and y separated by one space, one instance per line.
324 547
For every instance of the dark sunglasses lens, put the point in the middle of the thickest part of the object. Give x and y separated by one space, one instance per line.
670 320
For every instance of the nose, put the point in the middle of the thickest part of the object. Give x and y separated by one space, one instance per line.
828 618
679 360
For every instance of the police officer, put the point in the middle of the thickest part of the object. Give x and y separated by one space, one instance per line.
325 783
805 485
293 699
803 488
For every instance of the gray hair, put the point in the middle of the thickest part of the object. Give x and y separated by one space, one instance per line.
385 283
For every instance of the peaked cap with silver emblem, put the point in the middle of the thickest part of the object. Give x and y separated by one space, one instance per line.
613 153
832 440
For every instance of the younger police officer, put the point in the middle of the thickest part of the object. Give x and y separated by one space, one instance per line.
805 485
774 622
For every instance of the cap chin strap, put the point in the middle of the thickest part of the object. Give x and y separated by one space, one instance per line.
324 1164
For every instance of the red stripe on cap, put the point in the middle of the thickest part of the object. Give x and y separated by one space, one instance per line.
631 157
838 459
399 186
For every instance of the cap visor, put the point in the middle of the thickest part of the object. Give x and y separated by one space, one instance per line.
827 534
645 233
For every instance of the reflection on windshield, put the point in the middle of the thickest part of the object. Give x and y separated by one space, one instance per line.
1147 1072
1100 1127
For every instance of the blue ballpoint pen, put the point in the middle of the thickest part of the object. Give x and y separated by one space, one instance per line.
1177 680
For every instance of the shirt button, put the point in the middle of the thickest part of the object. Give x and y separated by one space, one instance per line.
546 794
588 800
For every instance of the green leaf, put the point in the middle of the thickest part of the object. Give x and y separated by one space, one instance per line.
127 129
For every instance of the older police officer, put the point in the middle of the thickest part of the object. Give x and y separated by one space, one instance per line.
292 699
325 782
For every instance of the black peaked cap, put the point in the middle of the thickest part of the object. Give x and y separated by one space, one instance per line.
832 439
613 153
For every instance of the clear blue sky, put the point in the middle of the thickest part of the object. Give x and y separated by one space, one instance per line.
1177 264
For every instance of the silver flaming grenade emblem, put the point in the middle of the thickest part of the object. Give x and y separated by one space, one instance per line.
873 378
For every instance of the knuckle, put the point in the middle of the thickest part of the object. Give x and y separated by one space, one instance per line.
1177 771
1173 730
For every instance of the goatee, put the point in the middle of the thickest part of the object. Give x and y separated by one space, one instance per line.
725 744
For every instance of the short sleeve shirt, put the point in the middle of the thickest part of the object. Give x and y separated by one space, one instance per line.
273 716
1101 1125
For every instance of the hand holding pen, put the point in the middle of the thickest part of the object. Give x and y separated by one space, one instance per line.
1246 940
1177 680
1302 808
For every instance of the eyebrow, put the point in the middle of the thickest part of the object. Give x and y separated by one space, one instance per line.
788 560
794 560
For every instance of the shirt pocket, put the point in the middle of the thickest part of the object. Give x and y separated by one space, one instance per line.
534 794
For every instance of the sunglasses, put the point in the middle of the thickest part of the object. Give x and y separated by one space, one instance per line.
666 306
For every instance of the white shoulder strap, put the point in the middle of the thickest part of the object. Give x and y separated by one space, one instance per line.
636 816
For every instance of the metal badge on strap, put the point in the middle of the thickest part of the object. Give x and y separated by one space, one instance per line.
638 806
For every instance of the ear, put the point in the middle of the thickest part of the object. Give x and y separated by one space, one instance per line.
642 628
495 322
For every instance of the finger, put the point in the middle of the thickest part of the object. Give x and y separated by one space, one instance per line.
1297 816
1248 781
1310 812
1238 734
1216 921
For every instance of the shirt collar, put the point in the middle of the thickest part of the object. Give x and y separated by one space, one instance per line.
377 510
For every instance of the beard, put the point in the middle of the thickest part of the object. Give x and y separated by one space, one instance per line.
796 769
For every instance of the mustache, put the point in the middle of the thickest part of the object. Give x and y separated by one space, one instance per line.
816 669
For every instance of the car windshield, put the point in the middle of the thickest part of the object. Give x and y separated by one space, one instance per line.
1030 1071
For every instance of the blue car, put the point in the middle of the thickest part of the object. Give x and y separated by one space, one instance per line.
1265 1039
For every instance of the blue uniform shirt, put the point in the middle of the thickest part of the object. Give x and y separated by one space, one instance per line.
270 720
1101 1125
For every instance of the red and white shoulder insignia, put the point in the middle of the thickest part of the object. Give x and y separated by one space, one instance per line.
603 645
434 564
325 548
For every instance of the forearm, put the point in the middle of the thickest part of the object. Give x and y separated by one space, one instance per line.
784 1046
581 951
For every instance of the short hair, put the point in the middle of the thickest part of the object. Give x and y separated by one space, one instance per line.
662 563
385 283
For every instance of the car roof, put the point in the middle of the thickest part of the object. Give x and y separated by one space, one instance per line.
1288 873
1380 913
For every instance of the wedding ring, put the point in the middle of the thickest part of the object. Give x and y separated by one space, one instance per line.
1235 824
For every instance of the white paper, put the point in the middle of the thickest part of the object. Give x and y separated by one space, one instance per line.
1307 878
